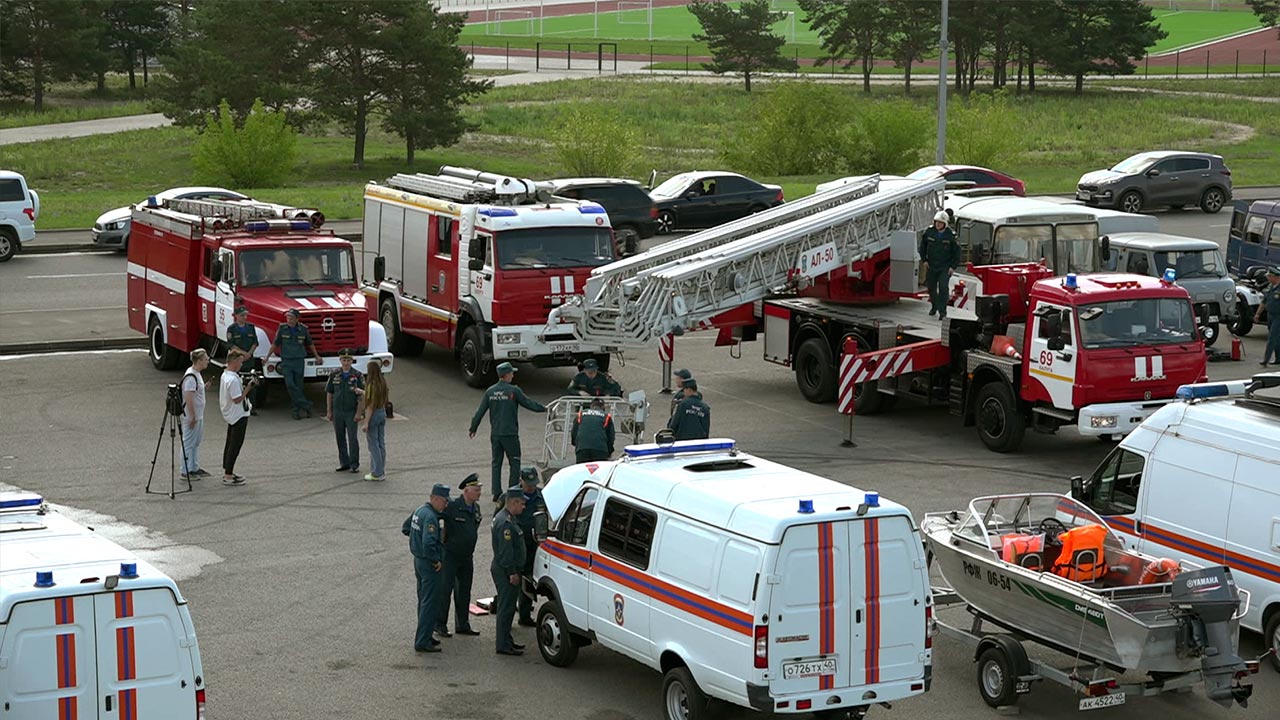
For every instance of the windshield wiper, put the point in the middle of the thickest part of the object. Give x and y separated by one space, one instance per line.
300 280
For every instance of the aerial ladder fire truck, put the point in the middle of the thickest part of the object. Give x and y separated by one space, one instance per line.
1101 352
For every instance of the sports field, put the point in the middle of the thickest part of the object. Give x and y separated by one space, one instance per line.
1188 28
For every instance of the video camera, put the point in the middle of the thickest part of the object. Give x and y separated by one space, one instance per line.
250 377
173 401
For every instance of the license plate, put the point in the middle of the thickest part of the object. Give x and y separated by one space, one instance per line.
1104 701
808 668
564 347
1084 196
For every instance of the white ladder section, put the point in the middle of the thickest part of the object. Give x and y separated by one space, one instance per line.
686 292
240 211
465 185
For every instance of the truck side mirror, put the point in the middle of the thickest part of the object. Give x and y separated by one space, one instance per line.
1077 488
215 270
540 525
475 251
379 269
475 263
1106 248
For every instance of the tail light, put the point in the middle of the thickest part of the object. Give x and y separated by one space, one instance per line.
761 635
1226 172
200 704
779 198
1098 688
653 212
30 213
928 626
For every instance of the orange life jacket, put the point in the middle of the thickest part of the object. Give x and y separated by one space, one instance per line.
1015 546
1081 558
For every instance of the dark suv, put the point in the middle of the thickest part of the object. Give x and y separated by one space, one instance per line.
632 212
1163 178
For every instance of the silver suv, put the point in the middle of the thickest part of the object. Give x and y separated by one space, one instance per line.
19 208
1163 178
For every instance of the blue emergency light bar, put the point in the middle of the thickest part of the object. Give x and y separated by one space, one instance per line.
679 448
1071 283
266 225
1170 275
494 212
590 209
1201 391
26 500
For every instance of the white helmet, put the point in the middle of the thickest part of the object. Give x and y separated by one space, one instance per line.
942 217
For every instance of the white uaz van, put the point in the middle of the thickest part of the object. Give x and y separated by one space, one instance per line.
738 578
88 630
1200 480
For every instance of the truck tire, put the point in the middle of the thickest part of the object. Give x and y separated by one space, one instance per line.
1211 337
997 681
162 355
1271 637
400 344
1000 424
815 371
1130 202
8 245
1244 318
477 370
555 640
682 699
1212 200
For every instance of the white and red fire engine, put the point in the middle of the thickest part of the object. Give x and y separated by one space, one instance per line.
192 262
474 262
1098 351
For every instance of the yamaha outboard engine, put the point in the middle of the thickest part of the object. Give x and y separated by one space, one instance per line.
1205 603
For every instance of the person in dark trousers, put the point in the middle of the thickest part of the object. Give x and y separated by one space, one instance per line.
692 418
344 407
1271 303
589 382
293 344
508 563
593 433
462 523
427 548
244 335
502 401
233 400
941 254
533 503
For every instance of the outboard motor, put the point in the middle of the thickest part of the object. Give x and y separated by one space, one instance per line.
1205 603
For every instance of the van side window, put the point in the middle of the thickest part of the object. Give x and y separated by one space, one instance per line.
626 533
576 526
1113 489
1253 229
444 235
1138 264
1274 240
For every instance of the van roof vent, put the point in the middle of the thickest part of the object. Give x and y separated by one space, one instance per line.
718 466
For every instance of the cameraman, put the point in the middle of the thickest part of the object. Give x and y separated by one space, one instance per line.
193 387
234 401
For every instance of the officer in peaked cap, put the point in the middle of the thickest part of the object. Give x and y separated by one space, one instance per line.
506 568
527 520
427 547
502 401
692 418
462 520
242 334
293 344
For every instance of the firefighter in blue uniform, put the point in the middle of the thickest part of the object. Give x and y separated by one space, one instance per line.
244 335
427 548
462 523
533 503
502 401
593 433
590 382
692 418
1271 303
508 563
293 344
941 253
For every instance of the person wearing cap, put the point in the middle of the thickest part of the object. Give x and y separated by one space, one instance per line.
427 548
462 527
941 253
1271 304
527 520
293 344
508 563
692 418
677 381
244 335
589 382
344 407
502 401
592 434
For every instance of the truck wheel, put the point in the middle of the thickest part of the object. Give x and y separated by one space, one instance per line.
1212 200
682 699
1271 636
1212 331
8 245
815 373
666 222
1131 202
401 344
477 370
868 400
1000 425
1244 318
162 356
555 642
996 679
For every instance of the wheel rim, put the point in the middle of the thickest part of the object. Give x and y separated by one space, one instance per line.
992 679
157 343
549 635
1213 200
677 701
4 245
470 358
1275 640
992 418
388 325
665 222
1132 203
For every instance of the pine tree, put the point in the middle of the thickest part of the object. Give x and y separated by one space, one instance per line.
741 40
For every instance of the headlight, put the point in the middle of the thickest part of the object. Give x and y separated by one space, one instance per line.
1102 423
115 225
1228 295
508 338
1109 181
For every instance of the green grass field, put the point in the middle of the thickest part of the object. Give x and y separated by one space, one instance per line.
1188 28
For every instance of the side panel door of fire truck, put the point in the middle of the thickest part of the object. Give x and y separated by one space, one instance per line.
224 296
1052 373
479 244
442 278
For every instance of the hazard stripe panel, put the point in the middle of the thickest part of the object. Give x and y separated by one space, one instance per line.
66 659
129 704
871 541
826 598
68 708
126 652
124 604
64 611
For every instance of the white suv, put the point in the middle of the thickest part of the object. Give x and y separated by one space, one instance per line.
19 208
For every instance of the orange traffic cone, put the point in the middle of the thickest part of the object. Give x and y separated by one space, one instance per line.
1003 345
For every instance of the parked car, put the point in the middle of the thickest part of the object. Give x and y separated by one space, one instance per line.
632 212
19 208
1163 178
705 199
971 176
111 229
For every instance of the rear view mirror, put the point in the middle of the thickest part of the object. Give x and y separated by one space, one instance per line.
1153 173
1077 488
379 269
475 264
653 178
1106 248
1051 325
1057 343
540 525
215 270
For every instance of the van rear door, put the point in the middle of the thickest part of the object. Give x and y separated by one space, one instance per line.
48 653
144 655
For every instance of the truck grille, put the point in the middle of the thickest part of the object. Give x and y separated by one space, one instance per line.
333 330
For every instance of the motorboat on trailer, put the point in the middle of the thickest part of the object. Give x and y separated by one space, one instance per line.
1046 567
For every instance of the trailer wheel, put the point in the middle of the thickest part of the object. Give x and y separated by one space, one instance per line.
996 679
555 642
163 356
400 344
1000 425
1244 318
1271 636
682 699
815 372
477 370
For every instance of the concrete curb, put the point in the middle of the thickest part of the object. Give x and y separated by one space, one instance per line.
51 346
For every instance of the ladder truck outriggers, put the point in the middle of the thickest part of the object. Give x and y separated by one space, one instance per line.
1100 352
192 262
474 262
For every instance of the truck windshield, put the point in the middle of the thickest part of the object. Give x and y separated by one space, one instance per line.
297 266
1065 248
1076 248
1191 263
554 247
1151 321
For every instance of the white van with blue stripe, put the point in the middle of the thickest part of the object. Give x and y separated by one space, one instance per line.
739 579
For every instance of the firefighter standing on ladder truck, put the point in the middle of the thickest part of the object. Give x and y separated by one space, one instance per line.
941 254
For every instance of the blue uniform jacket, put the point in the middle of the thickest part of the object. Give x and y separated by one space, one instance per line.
423 529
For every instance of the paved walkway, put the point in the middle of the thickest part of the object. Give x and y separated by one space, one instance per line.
36 133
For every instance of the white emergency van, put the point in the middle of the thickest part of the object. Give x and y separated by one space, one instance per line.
1200 480
738 578
87 629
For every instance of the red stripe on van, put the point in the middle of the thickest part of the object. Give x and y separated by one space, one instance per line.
66 652
871 541
1197 548
826 599
125 654
64 611
124 604
68 708
129 704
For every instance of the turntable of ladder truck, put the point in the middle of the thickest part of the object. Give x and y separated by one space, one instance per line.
1101 351
474 262
193 262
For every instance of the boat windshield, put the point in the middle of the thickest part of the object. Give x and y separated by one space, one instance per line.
989 518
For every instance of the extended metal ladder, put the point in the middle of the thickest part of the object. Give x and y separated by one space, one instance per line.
241 211
472 186
687 289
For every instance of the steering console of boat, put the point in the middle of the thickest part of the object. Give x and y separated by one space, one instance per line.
1052 528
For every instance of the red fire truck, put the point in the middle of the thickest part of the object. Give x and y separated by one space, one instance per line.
192 262
474 262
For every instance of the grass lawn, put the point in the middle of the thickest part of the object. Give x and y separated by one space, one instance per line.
1193 27
684 125
71 102
1268 87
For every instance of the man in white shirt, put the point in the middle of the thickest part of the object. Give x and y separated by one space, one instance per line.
234 401
193 401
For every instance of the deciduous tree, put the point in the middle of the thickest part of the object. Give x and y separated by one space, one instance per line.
1100 36
913 30
741 40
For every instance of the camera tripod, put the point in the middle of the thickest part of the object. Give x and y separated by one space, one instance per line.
173 412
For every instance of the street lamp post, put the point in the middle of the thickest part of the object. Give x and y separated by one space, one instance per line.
941 154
